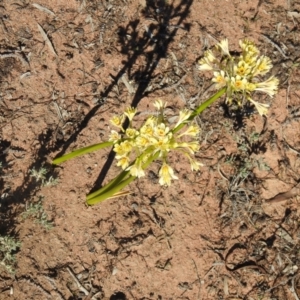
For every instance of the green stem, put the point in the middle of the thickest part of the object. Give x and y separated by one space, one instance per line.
202 107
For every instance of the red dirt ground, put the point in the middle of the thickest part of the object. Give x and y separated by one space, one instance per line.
229 231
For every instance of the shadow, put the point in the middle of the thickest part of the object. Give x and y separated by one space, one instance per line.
153 43
9 212
28 189
6 219
238 115
118 296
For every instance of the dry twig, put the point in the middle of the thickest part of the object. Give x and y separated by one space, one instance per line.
275 46
82 288
46 39
44 9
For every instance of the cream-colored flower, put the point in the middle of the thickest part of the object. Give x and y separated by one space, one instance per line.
163 144
130 112
210 56
159 104
123 148
166 173
263 66
250 87
183 116
123 161
238 83
142 142
261 107
220 79
151 120
117 121
131 133
155 138
136 170
119 150
195 165
191 146
144 158
127 146
114 136
270 86
242 69
223 45
161 130
249 59
193 130
240 74
249 47
148 130
206 63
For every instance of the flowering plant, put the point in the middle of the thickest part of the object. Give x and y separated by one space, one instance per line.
136 148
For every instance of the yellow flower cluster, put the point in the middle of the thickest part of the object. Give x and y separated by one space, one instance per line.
242 74
155 137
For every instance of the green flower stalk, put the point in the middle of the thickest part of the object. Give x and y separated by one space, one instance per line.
241 75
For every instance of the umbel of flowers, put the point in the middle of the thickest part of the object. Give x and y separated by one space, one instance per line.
241 75
134 147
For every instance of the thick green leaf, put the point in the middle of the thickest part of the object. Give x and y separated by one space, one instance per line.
111 184
111 192
114 186
81 151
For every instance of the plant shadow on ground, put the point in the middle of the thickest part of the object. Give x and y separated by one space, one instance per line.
9 209
7 217
153 45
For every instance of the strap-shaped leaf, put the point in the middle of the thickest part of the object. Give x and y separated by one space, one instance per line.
113 188
81 151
